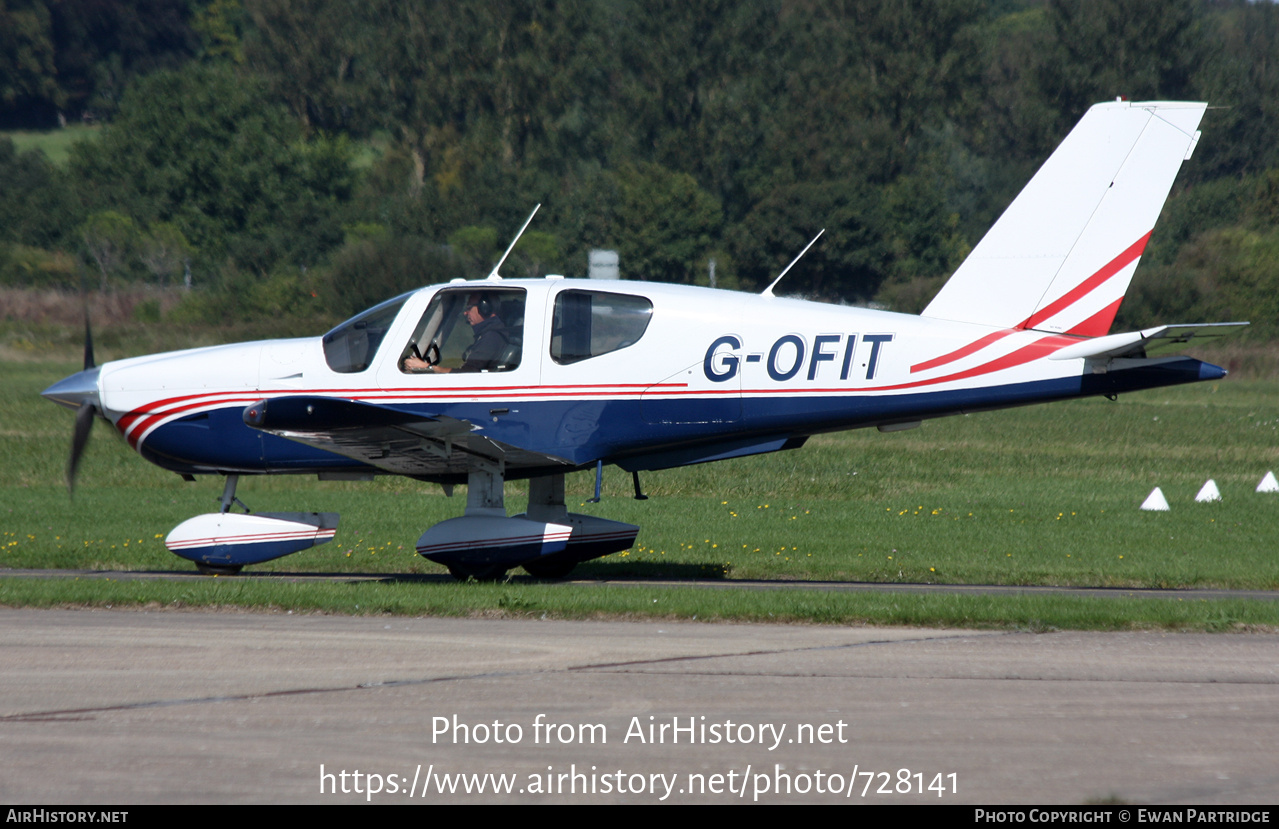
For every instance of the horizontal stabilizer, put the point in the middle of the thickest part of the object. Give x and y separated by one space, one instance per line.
1148 342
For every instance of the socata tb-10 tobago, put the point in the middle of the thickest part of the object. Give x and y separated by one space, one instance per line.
555 375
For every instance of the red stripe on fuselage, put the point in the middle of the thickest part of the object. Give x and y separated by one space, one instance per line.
138 422
960 353
134 434
1036 350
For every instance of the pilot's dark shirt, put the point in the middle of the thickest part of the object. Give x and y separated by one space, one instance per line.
491 339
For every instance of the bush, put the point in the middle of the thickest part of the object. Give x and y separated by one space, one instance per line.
28 267
368 271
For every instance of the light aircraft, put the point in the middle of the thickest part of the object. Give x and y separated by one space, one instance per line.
643 375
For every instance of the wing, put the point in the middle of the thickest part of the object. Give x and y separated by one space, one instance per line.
394 441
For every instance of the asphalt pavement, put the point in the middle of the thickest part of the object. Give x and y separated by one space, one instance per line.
126 707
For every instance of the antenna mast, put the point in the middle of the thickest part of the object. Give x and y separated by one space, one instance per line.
769 290
493 274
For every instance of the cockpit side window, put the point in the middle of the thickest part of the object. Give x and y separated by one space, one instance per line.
590 323
351 347
468 330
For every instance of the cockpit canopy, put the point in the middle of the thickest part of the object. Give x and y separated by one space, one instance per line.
584 324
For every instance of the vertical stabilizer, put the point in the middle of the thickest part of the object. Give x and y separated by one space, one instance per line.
1061 256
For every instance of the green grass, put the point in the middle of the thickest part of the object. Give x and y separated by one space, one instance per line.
55 144
1041 495
538 600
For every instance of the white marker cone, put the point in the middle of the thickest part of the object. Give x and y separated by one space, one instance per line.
1208 492
1155 501
1268 483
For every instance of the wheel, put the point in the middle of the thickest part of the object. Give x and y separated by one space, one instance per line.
432 354
478 572
218 569
549 569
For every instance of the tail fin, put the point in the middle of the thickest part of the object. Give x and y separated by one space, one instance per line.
1061 256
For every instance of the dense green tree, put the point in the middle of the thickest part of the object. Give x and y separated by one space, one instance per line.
1194 209
166 253
672 132
37 205
864 77
917 62
220 26
1225 274
476 248
665 224
27 70
110 242
1242 78
849 262
695 82
491 107
923 235
308 52
1101 49
537 253
1014 120
368 271
102 46
203 149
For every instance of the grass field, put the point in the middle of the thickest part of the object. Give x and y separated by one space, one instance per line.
56 144
1041 495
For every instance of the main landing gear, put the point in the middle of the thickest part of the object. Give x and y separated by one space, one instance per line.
548 541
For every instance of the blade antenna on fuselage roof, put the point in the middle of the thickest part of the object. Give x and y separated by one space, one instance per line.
769 290
493 274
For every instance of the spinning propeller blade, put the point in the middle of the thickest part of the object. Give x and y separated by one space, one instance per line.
79 440
88 342
88 408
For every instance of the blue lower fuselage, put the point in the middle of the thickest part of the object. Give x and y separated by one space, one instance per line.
641 434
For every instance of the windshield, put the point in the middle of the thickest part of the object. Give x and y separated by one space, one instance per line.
352 346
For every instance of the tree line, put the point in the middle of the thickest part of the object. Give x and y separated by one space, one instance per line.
325 154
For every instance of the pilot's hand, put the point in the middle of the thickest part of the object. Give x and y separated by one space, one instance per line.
416 365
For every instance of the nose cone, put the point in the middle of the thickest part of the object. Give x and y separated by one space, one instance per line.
1207 371
75 390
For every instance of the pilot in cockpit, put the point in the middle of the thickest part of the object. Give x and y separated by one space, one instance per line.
491 340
